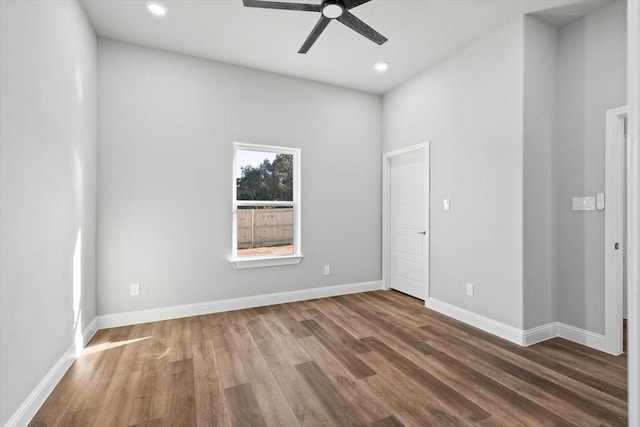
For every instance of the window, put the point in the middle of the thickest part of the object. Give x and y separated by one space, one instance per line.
266 206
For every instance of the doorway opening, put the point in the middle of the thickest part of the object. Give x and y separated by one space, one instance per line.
615 248
405 220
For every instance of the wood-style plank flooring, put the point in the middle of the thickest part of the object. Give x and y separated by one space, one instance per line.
373 359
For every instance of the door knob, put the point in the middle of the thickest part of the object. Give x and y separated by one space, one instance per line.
422 232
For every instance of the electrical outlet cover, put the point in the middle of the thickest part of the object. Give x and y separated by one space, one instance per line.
135 289
470 289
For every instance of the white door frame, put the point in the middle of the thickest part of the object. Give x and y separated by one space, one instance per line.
386 214
615 158
633 209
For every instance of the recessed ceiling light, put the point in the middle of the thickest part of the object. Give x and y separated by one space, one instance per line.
156 9
381 67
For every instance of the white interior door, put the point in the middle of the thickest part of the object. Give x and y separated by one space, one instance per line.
408 222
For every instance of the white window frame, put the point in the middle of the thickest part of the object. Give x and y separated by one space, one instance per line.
269 260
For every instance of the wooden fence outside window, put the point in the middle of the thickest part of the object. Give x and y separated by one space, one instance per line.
259 228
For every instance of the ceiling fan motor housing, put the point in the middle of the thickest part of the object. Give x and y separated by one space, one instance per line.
339 10
332 9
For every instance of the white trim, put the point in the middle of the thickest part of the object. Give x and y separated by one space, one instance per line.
45 387
39 395
491 326
614 226
581 336
90 331
268 148
394 153
540 333
262 203
633 210
518 336
386 229
568 332
175 312
255 262
275 260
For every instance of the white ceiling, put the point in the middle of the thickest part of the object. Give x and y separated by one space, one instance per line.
420 33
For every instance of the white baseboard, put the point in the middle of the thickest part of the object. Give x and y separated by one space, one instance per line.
521 337
540 333
581 336
34 401
568 332
178 311
39 395
90 331
491 326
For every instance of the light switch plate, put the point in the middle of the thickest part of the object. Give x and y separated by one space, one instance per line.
584 203
446 205
600 201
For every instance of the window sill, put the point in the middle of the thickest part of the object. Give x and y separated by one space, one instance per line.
257 262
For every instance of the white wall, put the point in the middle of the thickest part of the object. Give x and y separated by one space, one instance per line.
539 209
166 126
518 117
47 188
592 79
470 107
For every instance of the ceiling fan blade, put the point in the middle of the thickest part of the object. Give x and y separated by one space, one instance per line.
350 4
315 33
357 25
283 5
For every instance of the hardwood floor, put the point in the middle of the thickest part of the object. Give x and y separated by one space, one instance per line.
374 359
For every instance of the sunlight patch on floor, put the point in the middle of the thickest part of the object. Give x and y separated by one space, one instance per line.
109 345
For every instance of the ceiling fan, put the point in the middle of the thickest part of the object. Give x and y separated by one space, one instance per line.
330 9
